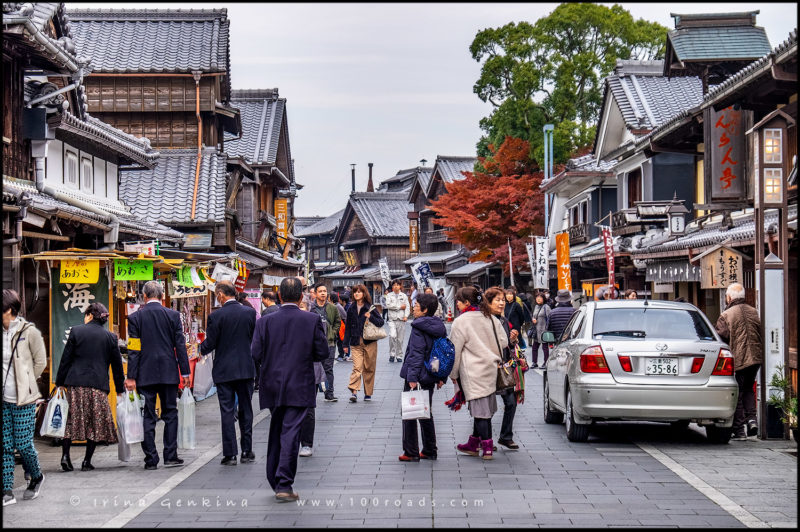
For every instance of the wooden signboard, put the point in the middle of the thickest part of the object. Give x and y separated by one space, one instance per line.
720 267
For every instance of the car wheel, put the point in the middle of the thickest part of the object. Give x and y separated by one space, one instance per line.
720 435
550 417
575 432
681 424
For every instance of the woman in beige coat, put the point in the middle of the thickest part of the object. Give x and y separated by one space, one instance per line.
24 359
479 340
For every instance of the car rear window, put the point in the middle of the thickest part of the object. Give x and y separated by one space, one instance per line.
650 323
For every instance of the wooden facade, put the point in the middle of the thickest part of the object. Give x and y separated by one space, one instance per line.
16 149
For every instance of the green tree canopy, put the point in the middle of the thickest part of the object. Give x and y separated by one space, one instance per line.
552 71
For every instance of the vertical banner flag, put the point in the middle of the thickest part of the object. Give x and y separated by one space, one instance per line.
282 219
608 246
386 276
425 274
542 267
413 236
562 260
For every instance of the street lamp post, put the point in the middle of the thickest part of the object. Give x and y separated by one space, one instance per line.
770 168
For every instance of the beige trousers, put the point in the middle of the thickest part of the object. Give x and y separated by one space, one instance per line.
365 358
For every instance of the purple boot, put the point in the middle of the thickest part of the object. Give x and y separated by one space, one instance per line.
487 446
471 447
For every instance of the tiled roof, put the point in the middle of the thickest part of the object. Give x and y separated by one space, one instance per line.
129 222
646 98
321 227
154 40
404 180
133 148
301 222
468 270
262 117
384 214
439 256
589 163
269 257
719 42
449 168
164 193
35 17
712 233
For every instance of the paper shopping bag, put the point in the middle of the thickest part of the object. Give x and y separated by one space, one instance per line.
415 404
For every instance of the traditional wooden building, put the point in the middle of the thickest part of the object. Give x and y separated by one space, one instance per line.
165 75
321 252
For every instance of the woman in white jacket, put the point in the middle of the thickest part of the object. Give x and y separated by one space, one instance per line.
479 340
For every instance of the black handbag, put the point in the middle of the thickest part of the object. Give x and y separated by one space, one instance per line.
505 378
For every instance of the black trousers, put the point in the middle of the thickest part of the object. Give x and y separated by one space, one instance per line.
482 428
340 347
509 411
283 446
746 404
229 392
327 365
168 395
410 442
308 427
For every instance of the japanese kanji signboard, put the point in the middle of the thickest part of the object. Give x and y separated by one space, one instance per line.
562 261
608 247
79 271
720 268
148 248
282 219
541 265
727 154
413 236
386 275
133 270
68 302
181 291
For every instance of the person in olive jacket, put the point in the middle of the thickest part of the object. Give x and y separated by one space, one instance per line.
83 371
425 329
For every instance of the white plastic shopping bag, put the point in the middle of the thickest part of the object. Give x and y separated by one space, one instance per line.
129 417
203 381
186 420
55 417
124 446
415 404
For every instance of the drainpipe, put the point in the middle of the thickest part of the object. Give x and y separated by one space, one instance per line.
111 236
20 214
197 75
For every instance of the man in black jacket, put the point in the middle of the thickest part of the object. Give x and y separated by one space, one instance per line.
229 334
561 315
157 361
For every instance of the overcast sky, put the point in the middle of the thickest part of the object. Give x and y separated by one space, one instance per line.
387 83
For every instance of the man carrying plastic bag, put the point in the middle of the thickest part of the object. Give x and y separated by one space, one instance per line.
186 420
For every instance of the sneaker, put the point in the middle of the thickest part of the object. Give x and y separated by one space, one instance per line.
173 463
739 434
368 398
405 458
331 399
305 450
391 359
534 365
353 398
34 488
399 359
8 498
752 427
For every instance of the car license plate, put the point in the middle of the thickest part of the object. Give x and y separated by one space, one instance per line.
661 366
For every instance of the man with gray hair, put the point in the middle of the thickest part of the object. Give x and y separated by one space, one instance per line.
740 327
156 356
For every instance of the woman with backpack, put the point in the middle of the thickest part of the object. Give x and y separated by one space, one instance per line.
425 329
478 339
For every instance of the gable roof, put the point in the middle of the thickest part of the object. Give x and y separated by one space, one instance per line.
449 169
383 214
646 98
164 194
263 114
30 20
154 40
321 227
717 36
404 180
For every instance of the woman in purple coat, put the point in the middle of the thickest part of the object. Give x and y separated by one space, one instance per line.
425 329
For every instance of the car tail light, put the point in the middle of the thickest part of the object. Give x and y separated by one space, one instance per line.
625 362
594 361
724 365
697 363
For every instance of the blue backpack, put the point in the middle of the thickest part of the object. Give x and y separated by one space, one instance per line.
441 358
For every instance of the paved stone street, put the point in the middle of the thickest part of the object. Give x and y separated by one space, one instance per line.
626 475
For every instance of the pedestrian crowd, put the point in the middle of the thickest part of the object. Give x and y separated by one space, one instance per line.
288 355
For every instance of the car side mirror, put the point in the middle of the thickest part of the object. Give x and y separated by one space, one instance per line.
548 337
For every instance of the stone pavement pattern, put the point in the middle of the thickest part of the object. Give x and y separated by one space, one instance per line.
355 479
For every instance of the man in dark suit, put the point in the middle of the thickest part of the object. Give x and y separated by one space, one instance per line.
157 362
229 333
287 343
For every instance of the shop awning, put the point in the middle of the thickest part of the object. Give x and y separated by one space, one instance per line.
673 271
362 273
441 256
473 269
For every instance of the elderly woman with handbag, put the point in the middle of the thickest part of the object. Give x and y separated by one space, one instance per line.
362 332
479 340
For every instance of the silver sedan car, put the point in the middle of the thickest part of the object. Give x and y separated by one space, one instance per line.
640 360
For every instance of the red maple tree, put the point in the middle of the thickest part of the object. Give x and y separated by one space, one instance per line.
504 201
